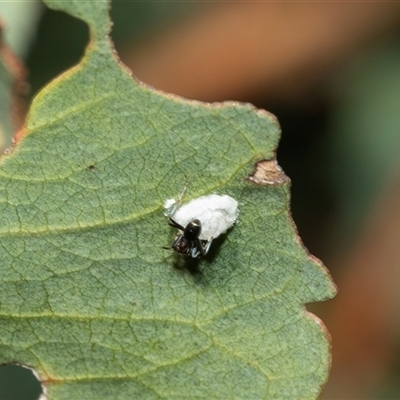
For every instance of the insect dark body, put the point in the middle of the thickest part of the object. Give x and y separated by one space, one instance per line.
188 242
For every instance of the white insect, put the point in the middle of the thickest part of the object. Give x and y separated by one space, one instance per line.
200 221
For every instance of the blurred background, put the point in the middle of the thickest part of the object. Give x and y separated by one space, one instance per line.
330 72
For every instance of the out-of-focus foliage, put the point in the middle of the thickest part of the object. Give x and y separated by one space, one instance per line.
365 131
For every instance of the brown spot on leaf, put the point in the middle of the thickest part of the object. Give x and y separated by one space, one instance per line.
15 75
268 172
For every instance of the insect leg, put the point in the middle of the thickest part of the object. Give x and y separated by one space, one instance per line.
174 244
182 194
194 252
207 246
203 248
174 224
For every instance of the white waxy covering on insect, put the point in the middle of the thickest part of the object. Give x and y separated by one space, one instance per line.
216 213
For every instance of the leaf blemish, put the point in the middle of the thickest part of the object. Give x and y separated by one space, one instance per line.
268 172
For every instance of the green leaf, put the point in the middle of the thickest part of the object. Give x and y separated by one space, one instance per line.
89 298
